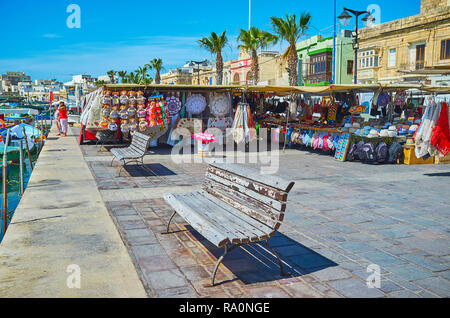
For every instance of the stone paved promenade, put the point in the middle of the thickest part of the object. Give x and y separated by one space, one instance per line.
341 217
62 221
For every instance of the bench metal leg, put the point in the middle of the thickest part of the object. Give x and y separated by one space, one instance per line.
170 220
213 276
122 167
112 161
282 272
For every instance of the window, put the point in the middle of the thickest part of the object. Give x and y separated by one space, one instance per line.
445 49
420 56
392 57
349 67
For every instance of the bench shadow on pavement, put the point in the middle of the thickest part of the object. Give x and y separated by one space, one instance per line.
254 263
148 170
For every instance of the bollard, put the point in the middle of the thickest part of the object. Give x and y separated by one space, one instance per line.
28 149
21 167
5 184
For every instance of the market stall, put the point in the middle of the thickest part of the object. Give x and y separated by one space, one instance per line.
371 123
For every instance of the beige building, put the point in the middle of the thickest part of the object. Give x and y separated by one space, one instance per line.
414 49
272 71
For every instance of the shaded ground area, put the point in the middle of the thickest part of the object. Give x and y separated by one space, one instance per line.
341 217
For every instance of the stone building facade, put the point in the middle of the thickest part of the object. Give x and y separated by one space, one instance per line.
414 49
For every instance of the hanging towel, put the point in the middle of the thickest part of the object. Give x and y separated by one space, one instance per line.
441 134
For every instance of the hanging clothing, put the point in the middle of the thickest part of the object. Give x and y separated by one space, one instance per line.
424 132
441 135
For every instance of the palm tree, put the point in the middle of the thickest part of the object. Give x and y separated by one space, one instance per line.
142 72
147 80
111 75
253 40
290 30
215 44
133 78
122 75
157 65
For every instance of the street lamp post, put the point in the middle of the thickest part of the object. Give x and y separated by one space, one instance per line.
344 19
198 69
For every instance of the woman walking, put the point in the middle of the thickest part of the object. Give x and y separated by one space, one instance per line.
63 118
58 126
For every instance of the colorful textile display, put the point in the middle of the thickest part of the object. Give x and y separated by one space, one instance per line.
441 135
243 124
195 104
220 105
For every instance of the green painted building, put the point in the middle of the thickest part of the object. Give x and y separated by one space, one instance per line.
315 60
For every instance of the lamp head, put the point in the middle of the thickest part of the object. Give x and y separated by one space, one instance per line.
344 18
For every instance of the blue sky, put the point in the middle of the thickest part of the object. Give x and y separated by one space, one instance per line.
123 35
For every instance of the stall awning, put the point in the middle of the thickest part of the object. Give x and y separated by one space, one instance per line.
282 90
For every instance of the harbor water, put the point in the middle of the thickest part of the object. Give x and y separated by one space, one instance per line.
14 188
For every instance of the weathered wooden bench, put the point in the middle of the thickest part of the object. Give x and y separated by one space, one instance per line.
236 206
133 153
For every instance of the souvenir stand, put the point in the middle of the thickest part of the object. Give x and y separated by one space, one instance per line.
336 119
118 110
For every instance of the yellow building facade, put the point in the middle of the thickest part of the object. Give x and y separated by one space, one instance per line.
414 49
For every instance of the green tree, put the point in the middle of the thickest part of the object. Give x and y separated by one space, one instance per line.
157 65
290 29
112 75
215 44
142 72
251 41
147 81
123 76
133 78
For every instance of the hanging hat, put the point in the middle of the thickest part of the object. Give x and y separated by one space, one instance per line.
392 128
373 132
357 125
384 133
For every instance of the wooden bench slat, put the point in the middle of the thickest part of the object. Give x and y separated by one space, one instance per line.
238 226
254 174
251 207
210 215
243 190
250 184
261 229
208 230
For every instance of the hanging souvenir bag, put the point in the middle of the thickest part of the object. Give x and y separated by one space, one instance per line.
107 98
123 98
140 99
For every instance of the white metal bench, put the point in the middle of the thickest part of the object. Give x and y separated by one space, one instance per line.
236 206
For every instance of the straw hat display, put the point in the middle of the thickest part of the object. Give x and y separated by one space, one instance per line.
173 105
195 104
220 105
384 133
373 133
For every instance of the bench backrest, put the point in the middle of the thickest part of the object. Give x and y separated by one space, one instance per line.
262 197
139 143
